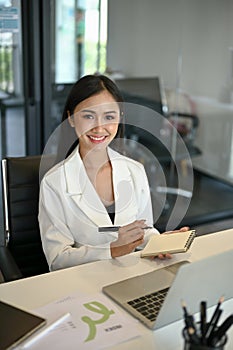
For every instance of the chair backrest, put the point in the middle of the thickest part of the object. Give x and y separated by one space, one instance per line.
20 177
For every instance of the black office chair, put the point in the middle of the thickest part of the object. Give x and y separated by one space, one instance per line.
22 254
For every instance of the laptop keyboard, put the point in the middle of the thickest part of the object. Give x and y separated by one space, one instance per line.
150 304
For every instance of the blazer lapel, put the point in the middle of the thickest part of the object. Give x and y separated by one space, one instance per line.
86 198
83 193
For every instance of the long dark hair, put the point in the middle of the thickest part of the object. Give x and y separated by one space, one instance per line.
84 88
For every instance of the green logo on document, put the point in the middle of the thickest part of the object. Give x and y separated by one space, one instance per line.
99 308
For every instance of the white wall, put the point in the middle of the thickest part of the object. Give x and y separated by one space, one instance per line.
145 38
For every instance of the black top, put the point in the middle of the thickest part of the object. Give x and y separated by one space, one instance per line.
111 212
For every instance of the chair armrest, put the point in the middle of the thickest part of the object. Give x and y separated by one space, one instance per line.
8 266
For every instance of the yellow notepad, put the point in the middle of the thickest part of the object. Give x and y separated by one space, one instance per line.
178 242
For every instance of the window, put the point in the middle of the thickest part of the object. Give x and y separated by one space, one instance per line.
10 48
80 30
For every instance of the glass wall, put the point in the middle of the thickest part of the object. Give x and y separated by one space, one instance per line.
188 45
78 47
80 38
11 82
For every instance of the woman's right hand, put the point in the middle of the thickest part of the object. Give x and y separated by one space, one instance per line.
129 237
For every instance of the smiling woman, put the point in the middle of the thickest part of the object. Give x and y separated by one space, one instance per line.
94 186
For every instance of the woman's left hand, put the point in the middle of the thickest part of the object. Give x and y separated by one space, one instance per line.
169 256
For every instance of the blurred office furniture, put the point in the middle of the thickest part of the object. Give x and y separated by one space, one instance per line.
160 138
149 92
211 206
22 254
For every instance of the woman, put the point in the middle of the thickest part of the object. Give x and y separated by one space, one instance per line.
94 186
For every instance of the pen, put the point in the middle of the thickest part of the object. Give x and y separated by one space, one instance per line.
103 229
184 308
212 329
203 319
209 326
222 330
44 331
108 229
189 321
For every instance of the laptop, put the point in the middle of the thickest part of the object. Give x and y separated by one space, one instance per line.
155 297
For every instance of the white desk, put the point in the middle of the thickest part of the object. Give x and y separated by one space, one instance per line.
36 291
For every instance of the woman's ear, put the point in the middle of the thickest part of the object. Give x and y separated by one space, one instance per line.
70 119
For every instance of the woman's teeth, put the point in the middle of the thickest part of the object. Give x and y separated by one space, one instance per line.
97 138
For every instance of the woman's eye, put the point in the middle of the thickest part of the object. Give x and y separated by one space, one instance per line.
88 116
110 117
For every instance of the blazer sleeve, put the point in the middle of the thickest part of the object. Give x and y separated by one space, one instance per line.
57 240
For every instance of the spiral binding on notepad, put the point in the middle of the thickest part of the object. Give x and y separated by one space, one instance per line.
190 240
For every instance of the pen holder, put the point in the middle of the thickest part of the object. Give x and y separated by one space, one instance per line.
191 345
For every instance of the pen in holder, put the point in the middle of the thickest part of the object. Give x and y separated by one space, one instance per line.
205 335
192 341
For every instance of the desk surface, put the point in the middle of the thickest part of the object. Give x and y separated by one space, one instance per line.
37 291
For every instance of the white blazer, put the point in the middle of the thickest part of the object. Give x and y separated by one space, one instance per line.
70 210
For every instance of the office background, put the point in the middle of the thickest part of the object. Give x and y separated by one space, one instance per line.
187 43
